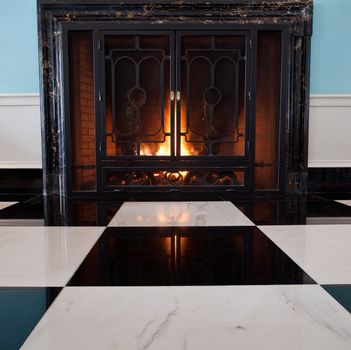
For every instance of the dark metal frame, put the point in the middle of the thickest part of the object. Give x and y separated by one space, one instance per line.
102 35
175 161
248 89
292 17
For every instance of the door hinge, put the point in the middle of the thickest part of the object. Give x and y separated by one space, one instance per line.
250 44
100 96
99 44
249 96
100 146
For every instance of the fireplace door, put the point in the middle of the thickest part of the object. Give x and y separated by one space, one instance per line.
174 109
137 109
211 113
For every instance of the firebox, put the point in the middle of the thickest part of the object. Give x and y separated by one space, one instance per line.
175 96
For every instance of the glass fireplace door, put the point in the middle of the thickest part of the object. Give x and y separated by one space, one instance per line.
212 88
136 91
174 109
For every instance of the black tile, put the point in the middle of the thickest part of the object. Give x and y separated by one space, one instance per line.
342 293
327 208
186 256
336 195
92 213
82 213
20 311
21 181
17 197
25 213
294 211
69 213
273 212
327 180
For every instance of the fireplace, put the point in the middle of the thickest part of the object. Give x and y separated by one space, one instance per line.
174 96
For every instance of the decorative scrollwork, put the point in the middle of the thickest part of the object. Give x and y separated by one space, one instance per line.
174 178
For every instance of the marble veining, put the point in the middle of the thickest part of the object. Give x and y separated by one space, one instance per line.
4 205
232 317
216 213
323 251
43 256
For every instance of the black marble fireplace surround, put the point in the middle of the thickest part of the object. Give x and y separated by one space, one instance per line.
268 42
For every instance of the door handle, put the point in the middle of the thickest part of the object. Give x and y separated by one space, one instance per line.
172 96
178 95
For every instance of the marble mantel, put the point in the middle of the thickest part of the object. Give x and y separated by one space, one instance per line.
295 16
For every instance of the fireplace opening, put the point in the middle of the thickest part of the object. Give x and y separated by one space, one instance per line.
175 107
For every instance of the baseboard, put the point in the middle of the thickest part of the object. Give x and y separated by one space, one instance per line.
329 180
19 181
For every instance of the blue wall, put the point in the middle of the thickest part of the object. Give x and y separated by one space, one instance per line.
19 71
331 72
331 47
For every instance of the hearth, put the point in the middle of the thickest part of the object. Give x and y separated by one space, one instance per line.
174 96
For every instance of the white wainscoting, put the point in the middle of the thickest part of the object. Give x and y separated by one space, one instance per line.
329 136
20 145
330 131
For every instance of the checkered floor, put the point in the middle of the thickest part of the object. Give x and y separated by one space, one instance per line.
177 275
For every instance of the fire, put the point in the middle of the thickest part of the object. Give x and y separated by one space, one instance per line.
156 149
164 148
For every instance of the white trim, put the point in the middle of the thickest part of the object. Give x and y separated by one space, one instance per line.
15 100
330 101
321 105
20 165
330 119
32 99
329 163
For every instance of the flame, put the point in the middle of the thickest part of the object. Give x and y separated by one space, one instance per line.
156 149
164 148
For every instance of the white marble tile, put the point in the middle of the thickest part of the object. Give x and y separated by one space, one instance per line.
43 256
323 251
179 214
206 318
4 205
346 202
